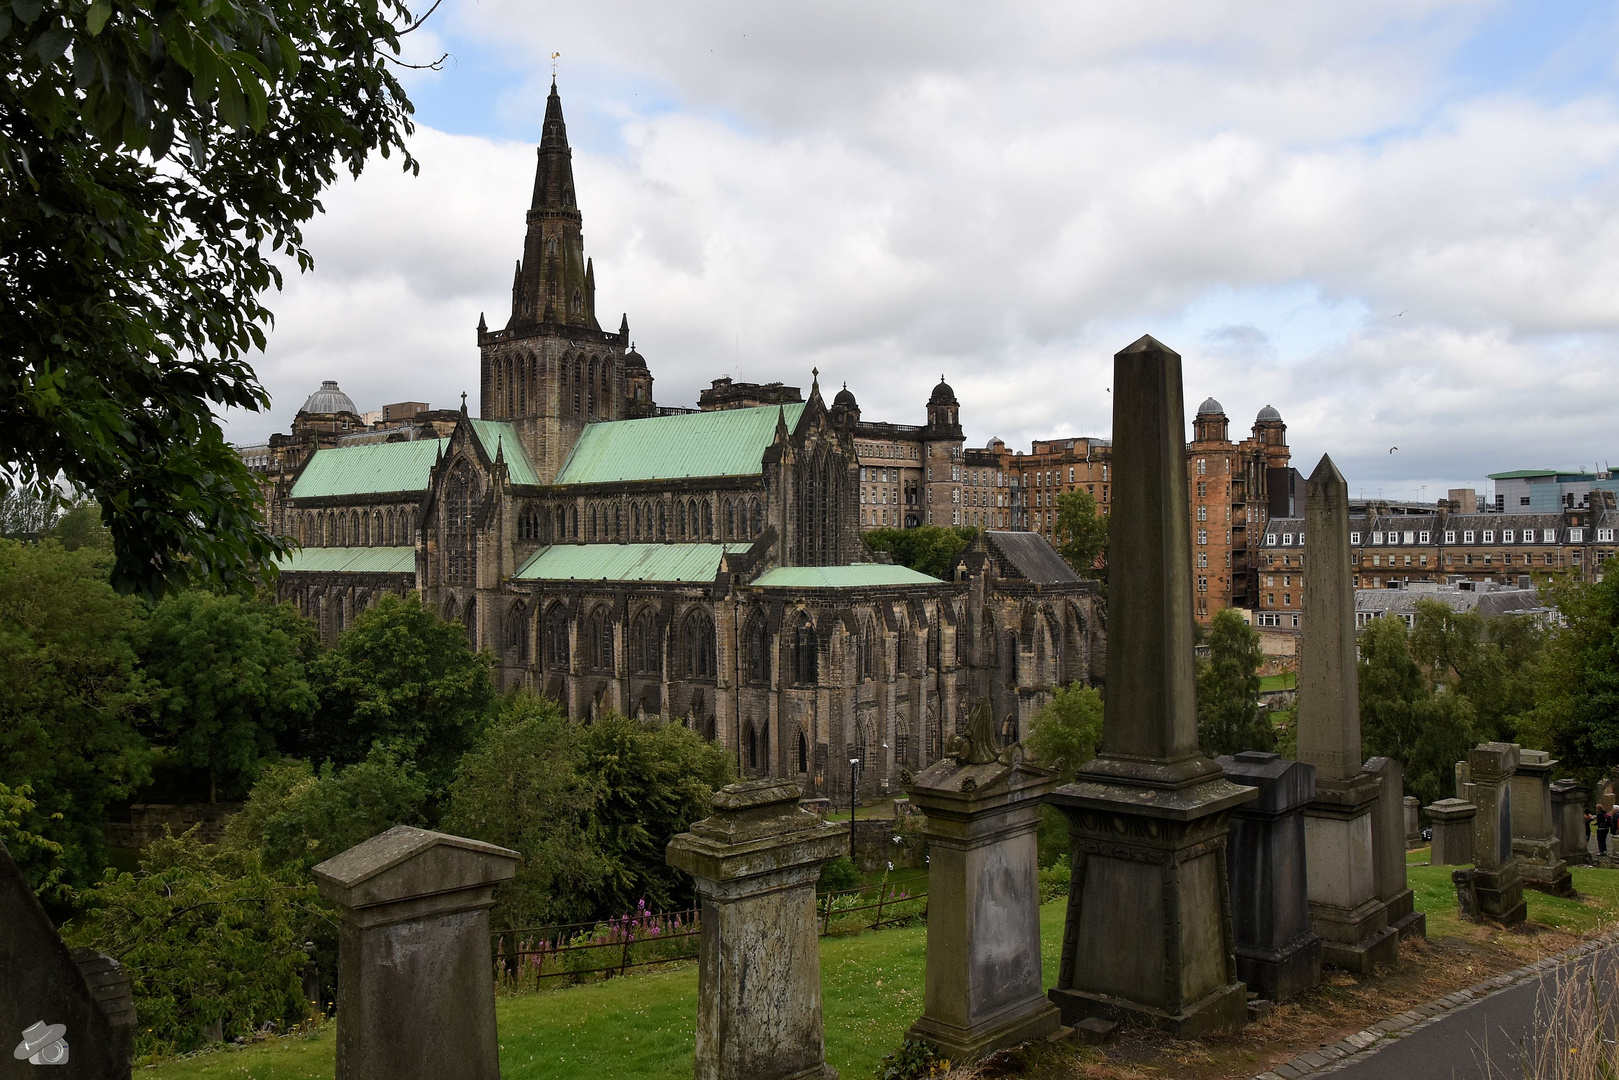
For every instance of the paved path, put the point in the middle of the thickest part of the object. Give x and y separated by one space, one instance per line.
1462 1043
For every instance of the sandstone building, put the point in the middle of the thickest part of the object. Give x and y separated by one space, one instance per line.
704 563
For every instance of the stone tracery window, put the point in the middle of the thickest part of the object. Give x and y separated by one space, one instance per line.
556 639
697 641
460 540
599 639
805 645
646 645
758 639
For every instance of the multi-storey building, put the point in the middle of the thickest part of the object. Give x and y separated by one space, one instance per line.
698 563
1548 491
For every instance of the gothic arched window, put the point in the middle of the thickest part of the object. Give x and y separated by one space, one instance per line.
803 752
460 541
578 377
758 639
556 639
680 520
599 639
756 516
646 645
697 640
663 523
708 520
517 631
730 520
805 645
753 747
635 521
590 391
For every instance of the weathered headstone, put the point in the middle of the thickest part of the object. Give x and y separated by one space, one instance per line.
1495 879
1452 821
983 959
67 1010
1534 827
1568 810
755 861
1278 955
1388 850
415 985
1464 780
1148 934
1413 822
1345 909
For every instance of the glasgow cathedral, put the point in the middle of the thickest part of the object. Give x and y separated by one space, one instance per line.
700 564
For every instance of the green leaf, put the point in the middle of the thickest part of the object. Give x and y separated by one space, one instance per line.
96 19
50 45
28 10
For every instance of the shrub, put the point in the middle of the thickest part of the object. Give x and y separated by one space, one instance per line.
915 1060
838 875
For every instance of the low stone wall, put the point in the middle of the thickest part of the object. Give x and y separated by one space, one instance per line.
876 844
147 822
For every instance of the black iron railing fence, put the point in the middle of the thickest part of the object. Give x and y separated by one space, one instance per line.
525 956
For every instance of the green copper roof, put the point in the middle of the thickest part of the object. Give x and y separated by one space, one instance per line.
626 562
350 560
498 436
841 577
730 442
376 468
1522 474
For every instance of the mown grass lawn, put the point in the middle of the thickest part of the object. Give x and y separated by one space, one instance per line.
643 1027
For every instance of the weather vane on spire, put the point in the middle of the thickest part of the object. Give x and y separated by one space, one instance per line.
554 57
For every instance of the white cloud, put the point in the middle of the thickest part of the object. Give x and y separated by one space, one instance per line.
1010 195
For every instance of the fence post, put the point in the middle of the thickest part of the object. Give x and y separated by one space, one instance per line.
882 894
624 960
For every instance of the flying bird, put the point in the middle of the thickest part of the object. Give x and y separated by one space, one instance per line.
1393 448
1397 314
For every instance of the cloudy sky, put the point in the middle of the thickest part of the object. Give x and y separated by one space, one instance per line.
1394 221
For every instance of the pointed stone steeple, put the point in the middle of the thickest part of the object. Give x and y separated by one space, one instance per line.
555 282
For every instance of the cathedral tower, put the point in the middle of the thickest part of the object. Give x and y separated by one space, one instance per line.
552 369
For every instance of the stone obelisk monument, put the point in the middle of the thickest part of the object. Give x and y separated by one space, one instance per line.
1345 909
1148 937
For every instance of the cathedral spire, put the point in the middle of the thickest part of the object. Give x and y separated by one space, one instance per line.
555 283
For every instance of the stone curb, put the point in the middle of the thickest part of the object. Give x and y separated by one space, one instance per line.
1354 1047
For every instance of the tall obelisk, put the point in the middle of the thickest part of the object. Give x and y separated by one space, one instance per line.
1345 910
1149 935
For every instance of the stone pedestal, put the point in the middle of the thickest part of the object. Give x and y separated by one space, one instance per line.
1496 881
1388 850
1413 823
755 861
1148 935
1278 955
415 993
1568 812
1345 909
1452 821
983 974
1534 827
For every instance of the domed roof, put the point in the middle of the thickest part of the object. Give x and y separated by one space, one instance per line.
942 394
1210 407
1268 413
844 398
329 399
633 359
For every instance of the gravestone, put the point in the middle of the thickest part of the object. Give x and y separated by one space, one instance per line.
1278 955
1534 827
1464 781
415 984
755 861
1388 850
1345 909
1452 821
1148 935
1495 880
1568 811
983 954
68 1010
1413 823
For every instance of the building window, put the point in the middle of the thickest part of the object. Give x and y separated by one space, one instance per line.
1424 537
1202 513
556 640
1507 536
805 647
1269 618
1377 538
646 645
697 637
1202 558
1548 536
1202 536
1576 536
1354 538
1270 539
1489 536
1287 539
1467 536
1548 558
1605 536
1202 466
1450 536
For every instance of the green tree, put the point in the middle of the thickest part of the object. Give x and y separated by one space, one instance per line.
1402 718
297 816
15 809
1066 730
1576 711
73 701
233 680
1081 532
405 678
520 786
157 161
207 936
1229 719
652 781
927 549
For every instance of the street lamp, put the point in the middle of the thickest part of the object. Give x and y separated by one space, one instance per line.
854 786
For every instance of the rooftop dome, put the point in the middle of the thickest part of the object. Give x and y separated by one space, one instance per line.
633 359
1210 407
942 394
844 398
1268 413
329 399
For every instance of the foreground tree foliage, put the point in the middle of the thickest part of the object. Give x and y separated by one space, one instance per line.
1402 716
155 159
1063 735
1229 719
208 937
928 549
233 679
1576 712
73 704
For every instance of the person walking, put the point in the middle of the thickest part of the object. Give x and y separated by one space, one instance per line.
1604 823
